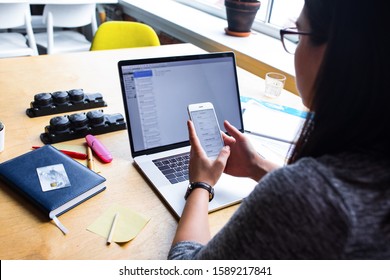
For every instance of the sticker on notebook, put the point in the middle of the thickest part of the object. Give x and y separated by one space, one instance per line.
53 177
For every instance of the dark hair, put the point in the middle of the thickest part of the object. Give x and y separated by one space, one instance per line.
351 100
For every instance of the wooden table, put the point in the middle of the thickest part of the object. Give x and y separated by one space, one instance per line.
28 234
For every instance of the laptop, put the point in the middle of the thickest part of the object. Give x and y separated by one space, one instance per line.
156 93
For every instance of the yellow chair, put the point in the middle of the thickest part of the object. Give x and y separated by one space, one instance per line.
123 34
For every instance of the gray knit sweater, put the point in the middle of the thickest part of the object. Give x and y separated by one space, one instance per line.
326 208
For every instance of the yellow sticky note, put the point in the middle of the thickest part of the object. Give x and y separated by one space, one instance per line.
128 225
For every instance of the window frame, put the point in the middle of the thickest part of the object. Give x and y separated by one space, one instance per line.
259 26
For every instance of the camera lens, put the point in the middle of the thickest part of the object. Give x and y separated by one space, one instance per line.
60 124
60 97
79 120
95 117
43 99
76 95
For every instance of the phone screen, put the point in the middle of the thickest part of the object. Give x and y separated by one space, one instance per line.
208 131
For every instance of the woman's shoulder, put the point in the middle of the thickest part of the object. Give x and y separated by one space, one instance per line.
342 181
356 168
306 172
297 207
309 180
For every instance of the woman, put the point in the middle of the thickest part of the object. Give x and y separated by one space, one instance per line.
332 201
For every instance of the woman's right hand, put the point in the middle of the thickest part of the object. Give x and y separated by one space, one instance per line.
244 161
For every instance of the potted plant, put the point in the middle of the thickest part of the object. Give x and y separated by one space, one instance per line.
240 16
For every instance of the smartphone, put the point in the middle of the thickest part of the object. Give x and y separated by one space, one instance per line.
207 128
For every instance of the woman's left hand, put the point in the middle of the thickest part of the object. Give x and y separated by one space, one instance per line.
201 168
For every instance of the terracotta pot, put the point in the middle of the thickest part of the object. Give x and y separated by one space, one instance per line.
240 15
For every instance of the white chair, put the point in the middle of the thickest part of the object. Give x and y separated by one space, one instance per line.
14 43
66 16
37 18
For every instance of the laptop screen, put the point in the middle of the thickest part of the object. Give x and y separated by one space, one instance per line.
157 91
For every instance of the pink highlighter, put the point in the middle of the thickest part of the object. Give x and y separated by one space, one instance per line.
98 148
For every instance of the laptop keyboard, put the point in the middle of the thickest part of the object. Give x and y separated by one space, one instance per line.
175 168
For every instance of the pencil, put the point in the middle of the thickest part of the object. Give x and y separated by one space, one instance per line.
109 238
90 161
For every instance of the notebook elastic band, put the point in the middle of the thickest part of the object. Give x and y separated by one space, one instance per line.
60 225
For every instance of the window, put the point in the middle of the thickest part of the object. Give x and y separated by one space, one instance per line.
272 16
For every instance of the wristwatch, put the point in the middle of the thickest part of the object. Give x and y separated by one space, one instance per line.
202 185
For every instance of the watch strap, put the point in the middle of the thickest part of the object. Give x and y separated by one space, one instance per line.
195 185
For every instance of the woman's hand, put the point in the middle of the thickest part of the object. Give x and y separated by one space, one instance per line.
237 158
201 168
244 161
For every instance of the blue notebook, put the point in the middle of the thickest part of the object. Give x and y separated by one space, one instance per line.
53 181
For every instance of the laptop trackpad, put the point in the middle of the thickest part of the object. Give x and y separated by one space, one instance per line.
230 190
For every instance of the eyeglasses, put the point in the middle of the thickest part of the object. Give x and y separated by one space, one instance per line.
290 37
